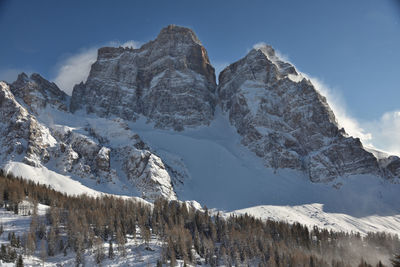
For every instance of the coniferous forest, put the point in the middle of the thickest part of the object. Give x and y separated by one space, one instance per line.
73 224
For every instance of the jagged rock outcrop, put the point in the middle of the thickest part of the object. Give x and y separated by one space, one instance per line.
148 173
168 80
92 152
391 166
23 138
284 120
36 92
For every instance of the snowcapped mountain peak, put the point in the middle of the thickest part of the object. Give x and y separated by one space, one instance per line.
35 92
284 120
285 68
169 80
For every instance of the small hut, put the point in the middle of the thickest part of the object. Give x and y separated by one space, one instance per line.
25 207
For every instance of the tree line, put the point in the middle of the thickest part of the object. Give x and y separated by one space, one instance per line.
73 224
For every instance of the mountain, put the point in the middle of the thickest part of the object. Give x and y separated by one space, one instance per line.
83 153
284 120
153 122
168 80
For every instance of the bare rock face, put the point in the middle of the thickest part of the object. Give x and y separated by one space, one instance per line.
36 92
96 151
23 138
95 154
168 80
148 173
391 166
284 120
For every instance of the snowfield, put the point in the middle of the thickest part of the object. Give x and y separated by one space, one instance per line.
226 176
217 171
314 215
42 175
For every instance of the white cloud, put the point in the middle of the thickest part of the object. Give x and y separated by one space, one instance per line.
336 103
278 54
75 68
386 132
382 134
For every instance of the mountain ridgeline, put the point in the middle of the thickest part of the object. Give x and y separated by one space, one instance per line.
278 113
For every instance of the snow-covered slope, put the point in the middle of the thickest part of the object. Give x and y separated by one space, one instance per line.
225 175
314 215
44 176
61 145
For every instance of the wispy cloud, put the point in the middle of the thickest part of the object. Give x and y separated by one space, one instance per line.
75 68
278 54
386 132
382 134
336 103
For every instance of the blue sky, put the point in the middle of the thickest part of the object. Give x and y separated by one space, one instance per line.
350 46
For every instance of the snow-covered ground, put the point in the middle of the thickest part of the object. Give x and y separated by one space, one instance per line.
136 252
226 176
314 215
42 175
16 223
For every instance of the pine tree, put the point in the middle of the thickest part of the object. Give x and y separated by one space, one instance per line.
60 245
51 242
145 231
79 257
30 243
12 254
43 252
121 242
396 261
80 250
110 250
3 253
20 262
99 250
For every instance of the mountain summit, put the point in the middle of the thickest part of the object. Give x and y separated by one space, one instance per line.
169 80
284 119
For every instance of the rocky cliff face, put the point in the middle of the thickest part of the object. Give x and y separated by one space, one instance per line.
36 92
284 120
85 152
168 80
23 138
93 153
